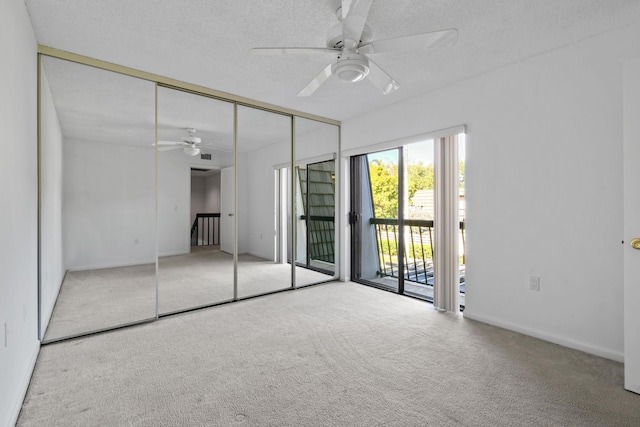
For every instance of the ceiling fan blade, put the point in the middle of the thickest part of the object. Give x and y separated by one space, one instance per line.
168 147
316 82
354 16
434 39
380 79
273 51
177 143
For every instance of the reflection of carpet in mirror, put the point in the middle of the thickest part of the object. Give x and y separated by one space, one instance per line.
97 299
205 276
91 300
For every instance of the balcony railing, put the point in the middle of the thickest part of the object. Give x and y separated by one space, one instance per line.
418 253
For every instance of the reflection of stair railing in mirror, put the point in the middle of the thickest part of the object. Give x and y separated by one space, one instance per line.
205 230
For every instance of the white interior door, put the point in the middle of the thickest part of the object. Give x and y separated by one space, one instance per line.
226 210
632 225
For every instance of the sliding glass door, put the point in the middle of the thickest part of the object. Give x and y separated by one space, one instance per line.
374 218
401 213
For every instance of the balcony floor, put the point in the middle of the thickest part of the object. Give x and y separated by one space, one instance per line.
412 288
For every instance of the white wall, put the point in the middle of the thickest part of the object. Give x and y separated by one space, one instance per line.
260 213
174 210
19 214
543 187
109 205
51 253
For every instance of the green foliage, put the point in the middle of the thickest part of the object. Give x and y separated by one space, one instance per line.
384 187
387 248
420 178
418 250
384 184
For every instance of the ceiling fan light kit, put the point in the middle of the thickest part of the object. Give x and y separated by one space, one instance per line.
191 151
350 40
351 69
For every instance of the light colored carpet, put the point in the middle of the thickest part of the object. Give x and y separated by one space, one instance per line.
95 299
206 276
339 354
98 299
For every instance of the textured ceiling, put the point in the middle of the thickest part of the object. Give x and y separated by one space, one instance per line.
207 42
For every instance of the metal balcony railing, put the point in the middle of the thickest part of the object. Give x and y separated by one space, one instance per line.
418 253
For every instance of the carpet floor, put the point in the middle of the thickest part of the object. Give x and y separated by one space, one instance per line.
337 354
93 300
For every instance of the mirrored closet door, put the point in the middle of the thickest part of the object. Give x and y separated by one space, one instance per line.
316 148
195 243
97 199
263 147
156 200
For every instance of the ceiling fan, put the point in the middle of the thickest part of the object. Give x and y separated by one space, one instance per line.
350 42
191 145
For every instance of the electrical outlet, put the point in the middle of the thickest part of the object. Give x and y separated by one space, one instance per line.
534 283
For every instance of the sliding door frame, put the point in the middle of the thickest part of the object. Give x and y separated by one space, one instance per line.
446 272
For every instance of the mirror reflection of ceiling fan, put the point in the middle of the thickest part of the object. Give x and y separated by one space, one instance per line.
350 42
191 145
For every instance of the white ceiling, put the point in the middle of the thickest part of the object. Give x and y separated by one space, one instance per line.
207 42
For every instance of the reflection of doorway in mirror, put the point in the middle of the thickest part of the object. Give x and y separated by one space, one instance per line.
204 225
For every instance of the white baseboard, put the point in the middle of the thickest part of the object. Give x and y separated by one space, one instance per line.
556 339
104 266
177 253
25 386
47 315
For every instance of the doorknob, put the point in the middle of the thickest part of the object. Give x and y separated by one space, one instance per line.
635 243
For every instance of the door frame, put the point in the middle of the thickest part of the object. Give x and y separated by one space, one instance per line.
631 209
